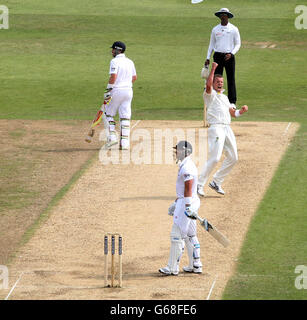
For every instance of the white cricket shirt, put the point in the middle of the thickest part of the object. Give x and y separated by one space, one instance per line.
187 171
225 39
124 68
217 105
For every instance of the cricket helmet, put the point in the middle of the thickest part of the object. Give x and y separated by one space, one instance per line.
183 149
118 45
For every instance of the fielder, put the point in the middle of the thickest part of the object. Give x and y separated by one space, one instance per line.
220 135
184 211
119 92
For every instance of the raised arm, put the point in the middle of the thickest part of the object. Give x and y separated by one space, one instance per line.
209 82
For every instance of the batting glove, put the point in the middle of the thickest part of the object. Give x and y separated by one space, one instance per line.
107 95
190 213
172 208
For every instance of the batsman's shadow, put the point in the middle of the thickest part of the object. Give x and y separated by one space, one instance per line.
142 275
148 198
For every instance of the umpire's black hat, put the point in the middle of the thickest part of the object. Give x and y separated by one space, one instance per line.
225 11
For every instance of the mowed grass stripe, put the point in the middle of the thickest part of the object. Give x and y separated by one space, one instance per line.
276 241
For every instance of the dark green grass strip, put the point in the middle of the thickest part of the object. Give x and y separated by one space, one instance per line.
276 241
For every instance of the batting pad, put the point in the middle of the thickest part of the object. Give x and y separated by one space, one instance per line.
124 132
193 248
176 250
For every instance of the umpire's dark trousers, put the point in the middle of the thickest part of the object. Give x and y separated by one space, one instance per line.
229 66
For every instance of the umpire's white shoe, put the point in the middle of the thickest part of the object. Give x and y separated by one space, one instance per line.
193 270
166 271
200 190
216 188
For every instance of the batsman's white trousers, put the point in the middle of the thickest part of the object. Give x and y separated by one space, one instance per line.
121 103
220 138
186 225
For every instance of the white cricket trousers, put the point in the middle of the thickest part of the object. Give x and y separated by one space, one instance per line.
184 231
220 138
121 102
186 225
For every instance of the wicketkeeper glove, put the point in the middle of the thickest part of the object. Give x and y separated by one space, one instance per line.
172 208
190 213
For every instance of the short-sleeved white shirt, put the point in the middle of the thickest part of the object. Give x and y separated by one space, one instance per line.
187 171
124 68
217 105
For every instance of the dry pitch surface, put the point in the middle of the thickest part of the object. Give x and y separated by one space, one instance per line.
64 259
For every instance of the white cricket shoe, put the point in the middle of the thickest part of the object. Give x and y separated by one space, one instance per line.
216 188
166 271
200 190
110 143
196 1
193 270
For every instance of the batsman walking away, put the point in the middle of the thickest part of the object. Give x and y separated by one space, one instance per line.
119 90
117 98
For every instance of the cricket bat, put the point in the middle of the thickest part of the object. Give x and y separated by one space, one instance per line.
100 116
213 231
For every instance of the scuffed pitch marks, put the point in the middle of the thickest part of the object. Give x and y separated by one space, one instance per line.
260 44
158 295
44 273
245 124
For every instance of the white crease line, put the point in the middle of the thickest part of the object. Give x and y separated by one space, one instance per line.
286 130
14 286
135 124
211 289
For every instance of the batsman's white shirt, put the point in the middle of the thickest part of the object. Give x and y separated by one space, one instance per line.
122 93
225 39
187 171
124 68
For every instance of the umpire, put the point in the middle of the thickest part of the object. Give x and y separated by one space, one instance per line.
225 42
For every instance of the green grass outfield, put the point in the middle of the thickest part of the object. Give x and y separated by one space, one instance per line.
54 65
